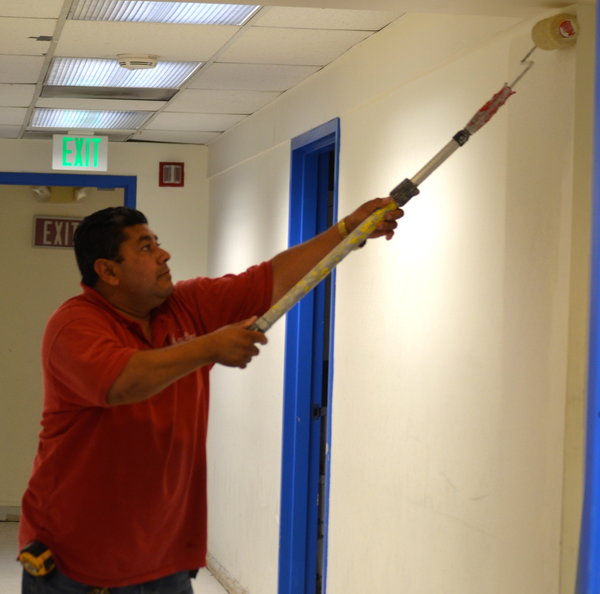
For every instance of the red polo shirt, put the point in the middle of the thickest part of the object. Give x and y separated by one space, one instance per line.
119 492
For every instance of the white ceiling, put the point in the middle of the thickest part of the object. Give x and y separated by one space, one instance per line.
245 68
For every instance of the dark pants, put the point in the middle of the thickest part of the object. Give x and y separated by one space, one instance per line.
58 583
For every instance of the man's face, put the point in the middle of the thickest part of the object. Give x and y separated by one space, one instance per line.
142 267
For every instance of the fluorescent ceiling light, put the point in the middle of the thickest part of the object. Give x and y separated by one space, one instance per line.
100 72
141 11
70 119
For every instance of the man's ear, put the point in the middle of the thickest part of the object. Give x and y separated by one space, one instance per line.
106 271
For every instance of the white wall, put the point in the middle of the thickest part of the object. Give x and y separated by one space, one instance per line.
37 280
451 341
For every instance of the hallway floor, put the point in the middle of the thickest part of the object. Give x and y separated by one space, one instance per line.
10 570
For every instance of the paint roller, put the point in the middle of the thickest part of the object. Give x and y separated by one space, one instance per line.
557 32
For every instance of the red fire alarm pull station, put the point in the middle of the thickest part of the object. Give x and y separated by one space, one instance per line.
170 174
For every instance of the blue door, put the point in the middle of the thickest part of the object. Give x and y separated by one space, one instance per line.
308 375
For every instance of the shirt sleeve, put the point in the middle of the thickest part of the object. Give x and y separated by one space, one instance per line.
83 357
230 298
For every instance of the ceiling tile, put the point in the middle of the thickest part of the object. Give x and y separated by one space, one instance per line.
9 131
108 104
209 101
257 77
20 69
263 45
18 35
12 116
194 121
324 18
93 39
41 9
16 95
176 136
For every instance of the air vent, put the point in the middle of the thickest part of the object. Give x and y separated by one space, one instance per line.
135 62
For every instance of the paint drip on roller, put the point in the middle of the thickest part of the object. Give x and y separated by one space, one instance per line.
557 32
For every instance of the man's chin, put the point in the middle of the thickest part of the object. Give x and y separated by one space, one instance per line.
166 289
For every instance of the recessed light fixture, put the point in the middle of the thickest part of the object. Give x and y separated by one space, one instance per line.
101 72
189 13
71 119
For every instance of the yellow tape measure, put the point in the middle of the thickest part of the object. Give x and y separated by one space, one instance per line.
36 559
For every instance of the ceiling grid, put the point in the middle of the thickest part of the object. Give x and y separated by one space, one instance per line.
237 69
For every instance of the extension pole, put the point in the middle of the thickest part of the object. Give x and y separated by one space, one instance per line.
401 194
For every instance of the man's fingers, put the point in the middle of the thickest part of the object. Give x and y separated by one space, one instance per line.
257 335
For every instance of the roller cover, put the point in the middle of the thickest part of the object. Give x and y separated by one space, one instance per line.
557 32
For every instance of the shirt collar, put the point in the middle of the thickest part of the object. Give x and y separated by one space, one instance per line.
156 315
90 294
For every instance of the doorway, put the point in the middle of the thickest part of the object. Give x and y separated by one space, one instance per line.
37 280
308 375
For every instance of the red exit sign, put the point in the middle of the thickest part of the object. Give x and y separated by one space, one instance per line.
54 231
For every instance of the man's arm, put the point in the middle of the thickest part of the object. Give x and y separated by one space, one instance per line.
149 371
291 265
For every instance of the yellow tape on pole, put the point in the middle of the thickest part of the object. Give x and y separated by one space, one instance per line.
319 272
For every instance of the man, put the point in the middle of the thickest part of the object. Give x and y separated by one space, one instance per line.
118 490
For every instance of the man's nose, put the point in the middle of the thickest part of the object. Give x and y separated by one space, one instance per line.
164 256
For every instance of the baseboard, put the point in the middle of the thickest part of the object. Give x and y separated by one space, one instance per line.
224 577
9 513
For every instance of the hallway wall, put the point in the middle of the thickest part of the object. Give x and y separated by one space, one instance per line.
451 383
38 280
451 342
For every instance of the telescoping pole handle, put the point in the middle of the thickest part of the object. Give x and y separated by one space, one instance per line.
401 194
322 269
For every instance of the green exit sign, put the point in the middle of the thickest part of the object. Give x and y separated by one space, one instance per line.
79 153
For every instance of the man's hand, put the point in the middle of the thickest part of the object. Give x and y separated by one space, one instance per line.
385 228
235 345
149 371
290 266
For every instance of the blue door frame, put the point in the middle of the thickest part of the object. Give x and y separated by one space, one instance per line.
588 579
127 182
304 345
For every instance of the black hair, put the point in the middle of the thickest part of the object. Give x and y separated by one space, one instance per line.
100 235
